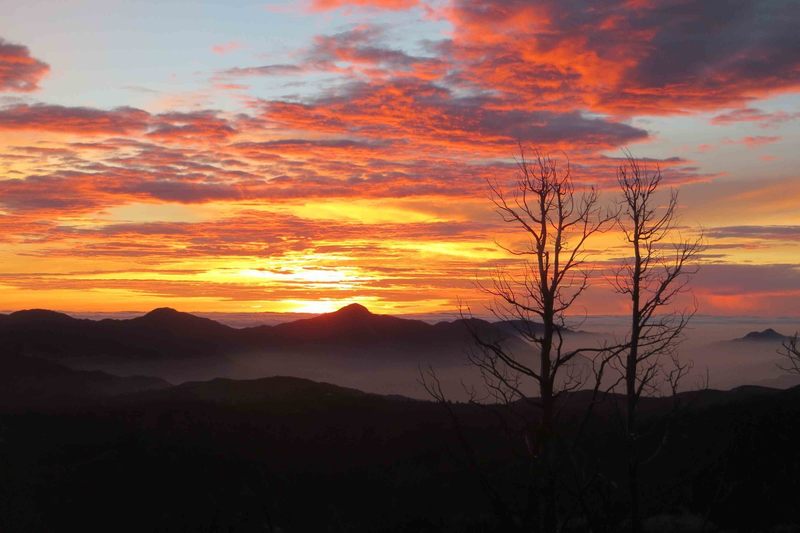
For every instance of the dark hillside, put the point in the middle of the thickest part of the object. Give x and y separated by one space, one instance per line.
295 455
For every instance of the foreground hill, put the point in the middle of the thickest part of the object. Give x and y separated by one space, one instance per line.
287 392
29 381
293 455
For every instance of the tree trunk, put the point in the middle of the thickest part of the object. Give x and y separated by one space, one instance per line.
631 393
548 516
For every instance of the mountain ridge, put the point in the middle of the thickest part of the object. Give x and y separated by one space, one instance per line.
30 381
167 333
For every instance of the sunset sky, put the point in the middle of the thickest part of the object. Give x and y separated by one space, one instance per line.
297 156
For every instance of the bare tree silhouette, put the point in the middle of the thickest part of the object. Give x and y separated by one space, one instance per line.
660 267
558 221
790 350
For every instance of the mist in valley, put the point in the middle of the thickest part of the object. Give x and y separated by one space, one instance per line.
720 360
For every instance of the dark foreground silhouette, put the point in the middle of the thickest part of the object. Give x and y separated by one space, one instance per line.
287 454
83 449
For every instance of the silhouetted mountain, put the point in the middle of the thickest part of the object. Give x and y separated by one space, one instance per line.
767 335
38 316
167 333
158 334
168 319
351 325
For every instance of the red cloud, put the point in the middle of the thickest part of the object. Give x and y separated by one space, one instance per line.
263 70
361 47
432 119
759 140
58 118
750 114
754 141
199 125
426 113
225 48
18 70
627 57
616 57
775 232
175 126
362 52
394 5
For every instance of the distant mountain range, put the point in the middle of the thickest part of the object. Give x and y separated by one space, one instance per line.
167 333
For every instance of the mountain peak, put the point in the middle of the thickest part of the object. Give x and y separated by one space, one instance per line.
167 317
39 314
353 310
768 334
163 312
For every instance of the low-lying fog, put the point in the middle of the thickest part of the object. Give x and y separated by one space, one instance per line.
709 343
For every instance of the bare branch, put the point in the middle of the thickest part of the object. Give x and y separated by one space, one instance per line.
790 350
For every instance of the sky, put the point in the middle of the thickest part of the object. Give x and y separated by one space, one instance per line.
296 156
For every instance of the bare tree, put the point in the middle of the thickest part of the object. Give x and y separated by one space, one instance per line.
790 350
557 222
658 271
